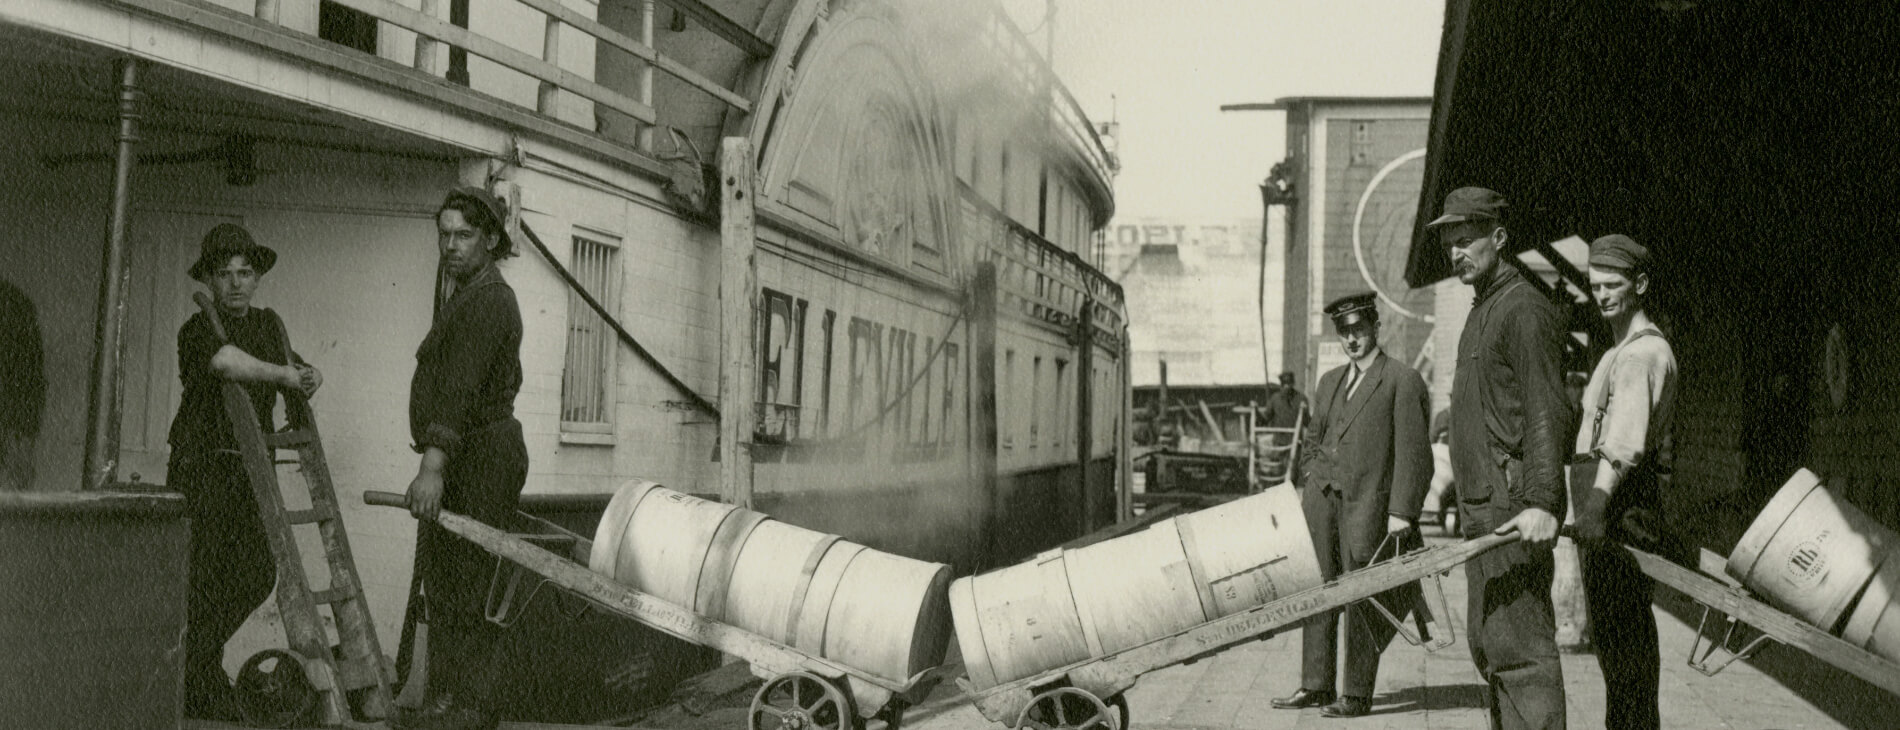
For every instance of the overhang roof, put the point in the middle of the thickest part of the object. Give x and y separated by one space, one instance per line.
1727 128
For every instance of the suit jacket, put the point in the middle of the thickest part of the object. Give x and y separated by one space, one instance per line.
1375 450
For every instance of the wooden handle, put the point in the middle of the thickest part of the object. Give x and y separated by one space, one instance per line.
386 499
211 313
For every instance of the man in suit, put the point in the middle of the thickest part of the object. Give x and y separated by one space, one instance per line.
1367 461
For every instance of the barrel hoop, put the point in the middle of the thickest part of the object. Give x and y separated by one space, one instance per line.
1189 545
812 559
715 570
976 622
825 627
610 555
1090 638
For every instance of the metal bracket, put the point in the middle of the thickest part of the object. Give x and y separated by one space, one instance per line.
1699 655
1431 611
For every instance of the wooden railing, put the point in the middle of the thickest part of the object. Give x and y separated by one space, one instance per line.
1066 116
432 31
1039 278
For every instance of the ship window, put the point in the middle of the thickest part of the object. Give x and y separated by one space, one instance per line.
1063 397
830 327
587 385
346 26
1004 401
1035 400
950 377
781 366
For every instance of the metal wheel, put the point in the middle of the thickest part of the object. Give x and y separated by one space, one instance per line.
800 701
1120 703
1067 708
272 691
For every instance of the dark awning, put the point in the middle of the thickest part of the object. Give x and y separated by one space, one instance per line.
1730 128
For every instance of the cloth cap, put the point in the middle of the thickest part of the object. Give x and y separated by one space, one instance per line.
1617 251
495 207
226 240
1470 204
1353 309
1286 376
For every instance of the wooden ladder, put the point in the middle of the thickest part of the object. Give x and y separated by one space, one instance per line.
358 662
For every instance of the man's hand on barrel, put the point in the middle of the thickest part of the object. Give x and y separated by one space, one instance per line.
1534 526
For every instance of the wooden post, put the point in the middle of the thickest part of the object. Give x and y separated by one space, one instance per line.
1085 412
102 417
425 46
549 94
738 281
982 360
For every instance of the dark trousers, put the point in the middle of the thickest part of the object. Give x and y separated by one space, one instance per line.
232 570
1367 632
1511 622
483 480
1623 630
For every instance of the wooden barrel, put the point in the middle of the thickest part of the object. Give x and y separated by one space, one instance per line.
1875 623
882 614
1133 589
1016 621
1066 606
1249 551
886 614
1808 552
677 547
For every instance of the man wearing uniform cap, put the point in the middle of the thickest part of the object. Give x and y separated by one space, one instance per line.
1628 406
1367 460
474 461
1510 427
232 569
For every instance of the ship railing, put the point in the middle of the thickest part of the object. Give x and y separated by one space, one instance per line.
516 55
1041 279
1066 115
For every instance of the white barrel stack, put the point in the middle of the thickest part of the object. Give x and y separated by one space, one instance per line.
1069 605
884 614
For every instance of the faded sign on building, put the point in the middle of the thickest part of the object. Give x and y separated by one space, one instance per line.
1193 288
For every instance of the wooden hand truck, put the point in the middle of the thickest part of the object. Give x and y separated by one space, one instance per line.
358 664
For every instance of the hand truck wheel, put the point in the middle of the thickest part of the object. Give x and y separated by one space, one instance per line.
801 701
272 691
1067 708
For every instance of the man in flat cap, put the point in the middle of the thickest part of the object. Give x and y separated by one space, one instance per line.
1510 427
1282 411
474 460
1627 406
1368 463
232 570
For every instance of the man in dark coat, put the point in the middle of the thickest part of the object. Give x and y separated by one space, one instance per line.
1282 410
232 570
1510 425
474 460
1368 462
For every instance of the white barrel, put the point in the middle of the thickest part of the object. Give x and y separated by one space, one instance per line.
1809 553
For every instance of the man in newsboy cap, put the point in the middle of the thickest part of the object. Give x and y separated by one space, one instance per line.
1367 460
1628 406
1510 419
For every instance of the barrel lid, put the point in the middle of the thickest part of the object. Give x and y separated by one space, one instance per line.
1748 550
605 555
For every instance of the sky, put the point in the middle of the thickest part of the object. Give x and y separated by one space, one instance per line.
1163 68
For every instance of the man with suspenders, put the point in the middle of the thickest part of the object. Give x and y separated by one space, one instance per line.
1627 409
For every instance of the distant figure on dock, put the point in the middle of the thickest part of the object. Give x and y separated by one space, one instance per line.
1283 409
1510 424
1628 406
22 387
232 569
1368 463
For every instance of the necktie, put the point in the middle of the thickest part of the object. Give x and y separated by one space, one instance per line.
1352 381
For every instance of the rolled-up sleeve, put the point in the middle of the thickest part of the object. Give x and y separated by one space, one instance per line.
1533 341
1636 388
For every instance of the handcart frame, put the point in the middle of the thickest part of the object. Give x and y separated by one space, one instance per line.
845 696
1080 695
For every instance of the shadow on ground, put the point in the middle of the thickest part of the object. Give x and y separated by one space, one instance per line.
1439 697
